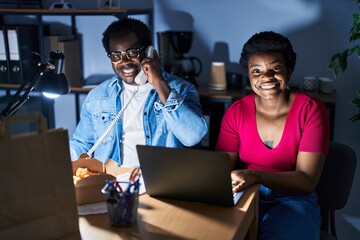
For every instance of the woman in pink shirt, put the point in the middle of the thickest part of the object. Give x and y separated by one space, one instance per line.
281 139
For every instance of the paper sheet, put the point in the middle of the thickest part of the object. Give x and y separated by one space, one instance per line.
100 207
125 178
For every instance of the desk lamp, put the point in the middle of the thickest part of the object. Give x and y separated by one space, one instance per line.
48 79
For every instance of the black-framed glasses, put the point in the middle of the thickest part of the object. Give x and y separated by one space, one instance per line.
131 54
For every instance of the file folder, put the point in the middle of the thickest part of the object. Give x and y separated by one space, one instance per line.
14 56
4 65
23 40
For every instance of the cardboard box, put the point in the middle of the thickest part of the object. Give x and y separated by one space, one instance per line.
88 190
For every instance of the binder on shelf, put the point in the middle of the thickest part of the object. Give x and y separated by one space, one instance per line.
14 56
22 41
4 64
70 46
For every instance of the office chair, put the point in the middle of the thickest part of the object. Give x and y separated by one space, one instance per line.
335 185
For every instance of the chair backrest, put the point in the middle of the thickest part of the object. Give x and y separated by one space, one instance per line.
337 177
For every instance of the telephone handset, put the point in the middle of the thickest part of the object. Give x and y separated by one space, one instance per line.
141 78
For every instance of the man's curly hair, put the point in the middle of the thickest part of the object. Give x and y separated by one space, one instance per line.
124 27
268 41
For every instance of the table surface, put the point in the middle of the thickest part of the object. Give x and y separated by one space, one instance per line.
160 218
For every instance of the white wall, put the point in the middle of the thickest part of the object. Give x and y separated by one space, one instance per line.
317 29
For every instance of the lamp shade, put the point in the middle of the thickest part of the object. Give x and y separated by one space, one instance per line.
53 83
52 79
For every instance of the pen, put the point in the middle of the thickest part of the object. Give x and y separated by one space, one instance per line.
128 189
118 186
136 185
135 175
108 187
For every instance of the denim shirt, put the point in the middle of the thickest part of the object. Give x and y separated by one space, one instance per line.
177 123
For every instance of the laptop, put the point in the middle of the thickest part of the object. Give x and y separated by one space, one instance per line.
187 174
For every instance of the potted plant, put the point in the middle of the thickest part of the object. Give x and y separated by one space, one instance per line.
338 62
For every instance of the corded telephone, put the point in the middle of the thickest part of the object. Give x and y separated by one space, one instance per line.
141 78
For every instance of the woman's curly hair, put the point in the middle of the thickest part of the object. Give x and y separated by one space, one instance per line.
124 27
268 41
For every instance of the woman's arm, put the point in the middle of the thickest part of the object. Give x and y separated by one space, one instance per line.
303 180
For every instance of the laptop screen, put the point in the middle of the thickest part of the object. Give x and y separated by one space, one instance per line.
187 174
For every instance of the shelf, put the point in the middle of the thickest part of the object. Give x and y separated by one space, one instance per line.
76 12
73 14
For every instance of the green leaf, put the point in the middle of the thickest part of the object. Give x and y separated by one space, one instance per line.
355 28
358 90
358 51
356 101
335 56
354 118
353 49
338 63
334 67
343 60
356 20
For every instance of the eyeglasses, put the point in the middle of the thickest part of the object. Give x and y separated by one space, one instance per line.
131 54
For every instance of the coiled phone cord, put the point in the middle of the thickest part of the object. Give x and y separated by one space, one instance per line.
117 117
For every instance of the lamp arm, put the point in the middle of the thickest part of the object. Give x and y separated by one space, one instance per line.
18 100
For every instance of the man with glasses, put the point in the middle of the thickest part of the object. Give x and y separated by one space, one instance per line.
165 111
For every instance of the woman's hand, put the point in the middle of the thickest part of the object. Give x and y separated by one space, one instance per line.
242 179
302 180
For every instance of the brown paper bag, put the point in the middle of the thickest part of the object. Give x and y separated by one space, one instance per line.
37 198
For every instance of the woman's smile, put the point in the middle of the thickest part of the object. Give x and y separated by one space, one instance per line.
267 86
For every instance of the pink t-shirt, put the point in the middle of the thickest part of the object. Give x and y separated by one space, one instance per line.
306 130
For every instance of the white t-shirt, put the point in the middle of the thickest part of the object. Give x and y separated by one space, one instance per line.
133 128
